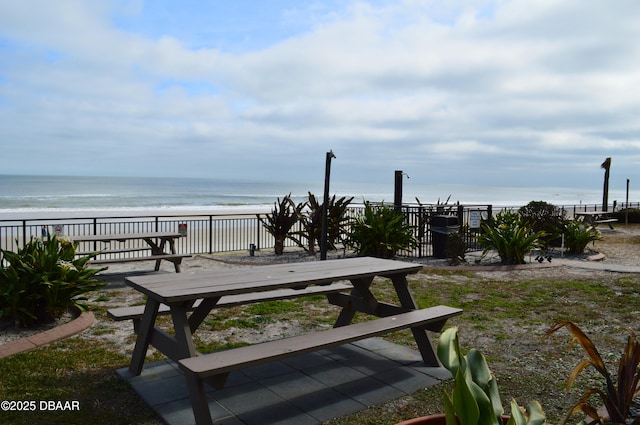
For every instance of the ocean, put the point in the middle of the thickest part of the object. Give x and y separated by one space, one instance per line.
28 196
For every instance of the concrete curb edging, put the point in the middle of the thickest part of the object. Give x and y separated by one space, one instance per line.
77 325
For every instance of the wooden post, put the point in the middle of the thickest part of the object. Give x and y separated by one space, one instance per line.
325 206
626 207
605 190
397 191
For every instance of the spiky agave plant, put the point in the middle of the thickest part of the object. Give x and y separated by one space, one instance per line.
617 395
510 237
279 223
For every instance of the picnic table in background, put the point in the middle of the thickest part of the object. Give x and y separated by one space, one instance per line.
156 242
594 218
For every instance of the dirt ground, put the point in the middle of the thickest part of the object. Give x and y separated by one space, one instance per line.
523 352
619 246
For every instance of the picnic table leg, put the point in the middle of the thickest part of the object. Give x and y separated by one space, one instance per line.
144 336
155 249
172 246
184 337
199 402
349 310
421 336
185 327
201 312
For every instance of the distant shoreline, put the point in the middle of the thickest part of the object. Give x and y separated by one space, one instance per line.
68 213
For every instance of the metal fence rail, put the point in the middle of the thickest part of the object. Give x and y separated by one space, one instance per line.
210 234
204 234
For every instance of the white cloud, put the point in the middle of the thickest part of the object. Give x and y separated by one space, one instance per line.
423 84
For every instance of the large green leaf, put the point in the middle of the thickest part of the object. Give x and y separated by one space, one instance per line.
464 400
449 350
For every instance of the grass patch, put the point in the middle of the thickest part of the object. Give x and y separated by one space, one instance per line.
75 369
504 318
274 307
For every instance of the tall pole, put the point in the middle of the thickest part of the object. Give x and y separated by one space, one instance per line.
397 191
626 207
605 190
325 206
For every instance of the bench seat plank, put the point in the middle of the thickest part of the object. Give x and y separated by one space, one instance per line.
113 251
135 312
607 220
216 366
225 361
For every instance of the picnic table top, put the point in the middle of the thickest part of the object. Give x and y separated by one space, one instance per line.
188 287
593 213
123 236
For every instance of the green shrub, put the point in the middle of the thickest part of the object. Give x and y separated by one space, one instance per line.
540 216
510 237
631 214
577 236
380 231
43 279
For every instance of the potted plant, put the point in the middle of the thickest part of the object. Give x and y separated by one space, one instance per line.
618 394
475 399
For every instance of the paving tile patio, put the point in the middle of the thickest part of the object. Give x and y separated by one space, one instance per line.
307 389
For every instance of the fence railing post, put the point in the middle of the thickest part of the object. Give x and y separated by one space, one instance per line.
210 234
258 245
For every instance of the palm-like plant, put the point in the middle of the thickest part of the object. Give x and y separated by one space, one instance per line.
43 279
381 231
510 237
311 223
279 223
617 395
337 220
577 237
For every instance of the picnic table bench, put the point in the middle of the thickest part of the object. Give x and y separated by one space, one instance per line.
157 243
594 218
190 298
135 313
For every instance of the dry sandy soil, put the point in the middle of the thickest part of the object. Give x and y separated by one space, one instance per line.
620 247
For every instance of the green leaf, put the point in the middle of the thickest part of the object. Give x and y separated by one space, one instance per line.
449 350
536 415
479 368
494 395
517 417
449 410
464 400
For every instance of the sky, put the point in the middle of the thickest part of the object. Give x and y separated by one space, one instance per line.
502 92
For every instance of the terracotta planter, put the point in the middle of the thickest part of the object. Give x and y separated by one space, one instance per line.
426 420
438 419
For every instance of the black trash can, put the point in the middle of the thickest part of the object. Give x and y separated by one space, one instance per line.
441 227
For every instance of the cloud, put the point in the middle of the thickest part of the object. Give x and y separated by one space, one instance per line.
473 89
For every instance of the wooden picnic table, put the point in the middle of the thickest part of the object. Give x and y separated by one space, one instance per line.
157 242
200 293
594 218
